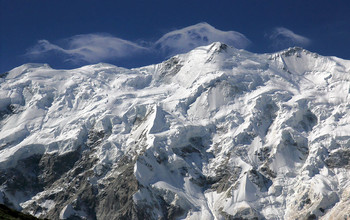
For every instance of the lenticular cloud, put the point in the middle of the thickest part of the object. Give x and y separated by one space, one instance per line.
282 37
186 39
92 48
89 48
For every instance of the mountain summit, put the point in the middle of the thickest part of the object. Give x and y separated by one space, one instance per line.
216 133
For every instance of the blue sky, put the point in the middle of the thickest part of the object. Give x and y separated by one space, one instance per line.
69 34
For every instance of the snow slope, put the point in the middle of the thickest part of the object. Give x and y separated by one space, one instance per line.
217 133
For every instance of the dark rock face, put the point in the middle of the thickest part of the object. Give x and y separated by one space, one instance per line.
292 51
226 177
54 166
95 138
78 191
116 198
3 75
111 199
264 153
260 180
10 109
31 175
339 159
170 67
73 173
23 177
243 214
10 214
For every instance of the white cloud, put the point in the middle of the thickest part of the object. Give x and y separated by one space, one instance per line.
282 37
89 48
186 39
92 48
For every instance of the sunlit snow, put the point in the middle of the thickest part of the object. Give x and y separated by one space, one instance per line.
268 123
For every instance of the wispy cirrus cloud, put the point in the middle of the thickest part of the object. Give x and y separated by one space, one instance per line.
282 37
88 48
186 39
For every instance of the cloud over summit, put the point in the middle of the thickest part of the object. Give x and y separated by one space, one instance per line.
92 48
97 47
186 39
282 37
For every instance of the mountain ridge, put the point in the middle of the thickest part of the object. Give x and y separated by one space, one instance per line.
216 133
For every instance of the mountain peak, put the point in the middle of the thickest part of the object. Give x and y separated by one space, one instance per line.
218 47
292 51
295 51
214 133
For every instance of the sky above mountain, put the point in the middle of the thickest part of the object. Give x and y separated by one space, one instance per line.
68 34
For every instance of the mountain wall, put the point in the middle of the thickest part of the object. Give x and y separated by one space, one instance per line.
217 133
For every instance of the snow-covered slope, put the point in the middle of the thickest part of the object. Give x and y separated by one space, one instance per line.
217 133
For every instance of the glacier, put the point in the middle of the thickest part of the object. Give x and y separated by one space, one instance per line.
216 133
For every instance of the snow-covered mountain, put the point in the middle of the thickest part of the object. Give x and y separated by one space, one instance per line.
217 133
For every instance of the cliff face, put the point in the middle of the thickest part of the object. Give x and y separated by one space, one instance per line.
217 133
